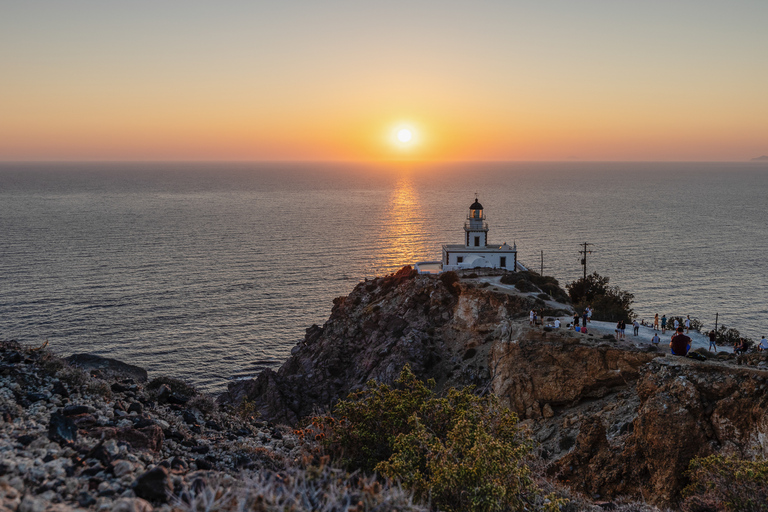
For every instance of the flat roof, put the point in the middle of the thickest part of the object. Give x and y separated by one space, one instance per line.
462 247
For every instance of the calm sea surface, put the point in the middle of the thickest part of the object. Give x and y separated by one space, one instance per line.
212 272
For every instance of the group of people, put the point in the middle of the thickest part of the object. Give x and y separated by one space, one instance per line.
686 324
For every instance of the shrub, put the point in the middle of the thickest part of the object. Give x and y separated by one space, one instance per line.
728 337
461 452
610 303
526 286
726 484
450 280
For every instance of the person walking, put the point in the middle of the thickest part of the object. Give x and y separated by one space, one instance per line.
656 322
687 323
663 324
712 340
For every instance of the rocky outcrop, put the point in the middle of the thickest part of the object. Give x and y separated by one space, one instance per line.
686 409
442 327
107 368
613 419
543 370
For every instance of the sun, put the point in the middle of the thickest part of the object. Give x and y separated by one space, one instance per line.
404 135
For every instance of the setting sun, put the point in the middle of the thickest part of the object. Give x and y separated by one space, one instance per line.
404 135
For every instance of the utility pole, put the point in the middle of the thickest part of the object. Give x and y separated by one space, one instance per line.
542 262
584 258
716 315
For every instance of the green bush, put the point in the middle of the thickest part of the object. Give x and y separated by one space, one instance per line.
726 484
610 303
461 452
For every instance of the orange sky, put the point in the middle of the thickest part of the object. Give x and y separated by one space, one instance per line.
493 80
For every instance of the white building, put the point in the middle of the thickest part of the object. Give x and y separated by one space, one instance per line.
476 250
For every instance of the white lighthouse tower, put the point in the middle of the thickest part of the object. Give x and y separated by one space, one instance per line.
476 227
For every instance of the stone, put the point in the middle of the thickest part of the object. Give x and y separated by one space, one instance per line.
62 429
122 467
75 410
153 485
132 505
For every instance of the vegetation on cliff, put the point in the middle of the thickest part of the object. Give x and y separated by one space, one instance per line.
460 451
726 484
610 303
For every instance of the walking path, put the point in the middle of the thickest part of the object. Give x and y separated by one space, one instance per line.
645 334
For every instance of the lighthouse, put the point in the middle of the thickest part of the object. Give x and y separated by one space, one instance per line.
477 251
476 227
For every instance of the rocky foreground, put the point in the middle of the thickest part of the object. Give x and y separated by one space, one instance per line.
612 419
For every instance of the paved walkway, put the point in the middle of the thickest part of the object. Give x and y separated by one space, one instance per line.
645 334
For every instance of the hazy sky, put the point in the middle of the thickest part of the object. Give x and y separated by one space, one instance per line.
335 80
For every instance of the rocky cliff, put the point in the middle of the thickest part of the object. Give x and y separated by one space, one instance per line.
611 418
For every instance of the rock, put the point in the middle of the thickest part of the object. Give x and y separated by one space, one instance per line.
547 411
132 505
122 467
62 429
32 504
76 410
136 407
153 485
107 368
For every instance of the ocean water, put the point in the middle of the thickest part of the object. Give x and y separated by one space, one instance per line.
212 272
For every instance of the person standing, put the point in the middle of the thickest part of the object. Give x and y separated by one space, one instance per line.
687 323
712 340
575 320
677 324
589 313
636 326
680 343
663 324
656 322
531 316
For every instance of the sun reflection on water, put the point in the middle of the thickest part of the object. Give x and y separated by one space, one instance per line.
401 237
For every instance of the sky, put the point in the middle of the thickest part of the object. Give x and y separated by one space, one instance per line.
335 80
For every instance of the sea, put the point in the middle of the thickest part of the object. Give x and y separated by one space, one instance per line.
212 272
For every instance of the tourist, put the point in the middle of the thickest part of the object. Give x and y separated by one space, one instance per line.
589 313
585 317
636 326
655 340
680 343
656 322
763 345
557 323
712 340
740 346
663 324
532 317
677 324
687 324
620 326
575 320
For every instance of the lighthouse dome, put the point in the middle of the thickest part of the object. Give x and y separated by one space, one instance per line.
476 205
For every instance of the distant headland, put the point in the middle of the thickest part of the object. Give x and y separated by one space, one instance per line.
763 158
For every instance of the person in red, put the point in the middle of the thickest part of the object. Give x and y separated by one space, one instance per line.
680 344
